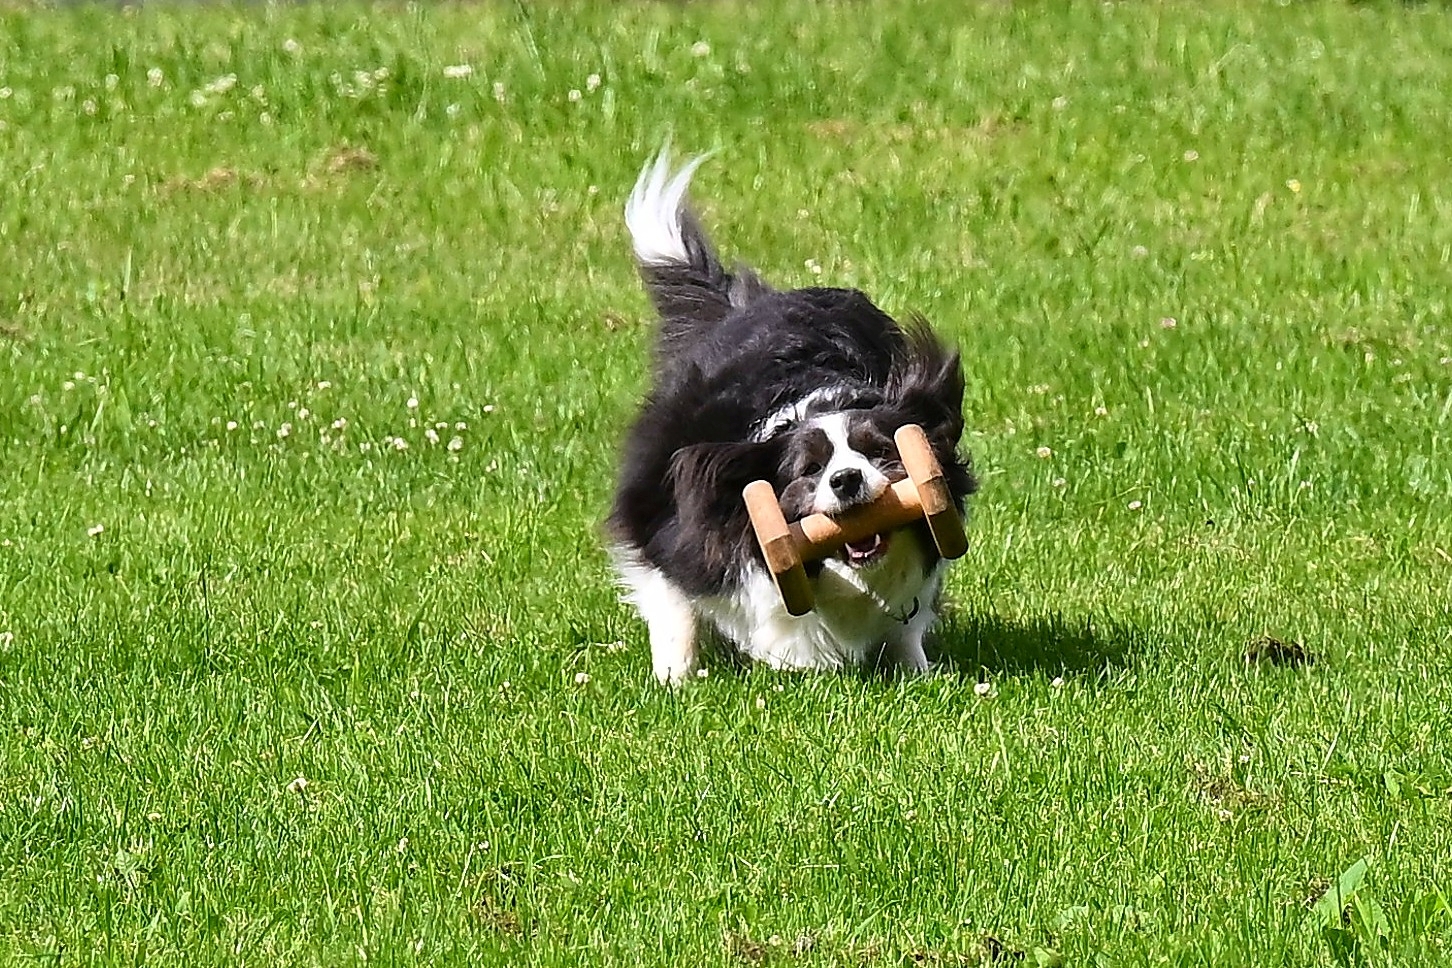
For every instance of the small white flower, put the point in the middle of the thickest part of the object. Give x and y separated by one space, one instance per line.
1135 505
456 444
1192 155
452 110
412 403
399 443
302 413
292 47
1044 453
1059 482
1058 682
1168 322
458 71
592 82
284 431
95 530
231 425
340 423
702 673
68 385
983 688
1060 102
760 702
325 384
574 94
5 93
700 49
298 785
1139 252
582 678
1101 411
431 435
222 84
499 91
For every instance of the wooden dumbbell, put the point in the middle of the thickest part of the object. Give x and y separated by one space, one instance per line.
787 547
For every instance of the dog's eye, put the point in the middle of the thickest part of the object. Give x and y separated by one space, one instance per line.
812 469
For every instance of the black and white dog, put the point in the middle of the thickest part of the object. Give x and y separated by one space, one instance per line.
803 389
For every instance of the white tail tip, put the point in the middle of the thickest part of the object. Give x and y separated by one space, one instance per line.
653 210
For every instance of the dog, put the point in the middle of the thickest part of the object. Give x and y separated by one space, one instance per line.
803 388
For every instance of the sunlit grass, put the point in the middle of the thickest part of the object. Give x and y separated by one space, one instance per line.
319 330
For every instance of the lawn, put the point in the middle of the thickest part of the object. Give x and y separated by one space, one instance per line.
318 333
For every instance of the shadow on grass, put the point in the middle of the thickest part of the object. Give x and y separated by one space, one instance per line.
1051 644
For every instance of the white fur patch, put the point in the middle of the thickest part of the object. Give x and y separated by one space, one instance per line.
653 210
790 415
669 616
847 628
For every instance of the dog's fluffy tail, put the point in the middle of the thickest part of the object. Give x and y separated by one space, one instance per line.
686 281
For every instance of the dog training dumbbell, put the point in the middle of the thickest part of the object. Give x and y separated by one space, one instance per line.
923 496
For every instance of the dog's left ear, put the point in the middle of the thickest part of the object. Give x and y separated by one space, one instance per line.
926 385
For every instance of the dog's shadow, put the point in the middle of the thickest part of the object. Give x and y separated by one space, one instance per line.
974 643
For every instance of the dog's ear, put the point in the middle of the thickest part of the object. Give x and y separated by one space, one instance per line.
708 480
926 385
712 528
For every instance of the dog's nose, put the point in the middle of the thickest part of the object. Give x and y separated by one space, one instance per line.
846 483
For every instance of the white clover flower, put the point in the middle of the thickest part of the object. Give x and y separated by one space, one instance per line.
284 431
1135 505
95 530
399 443
700 49
431 435
458 71
499 91
592 83
456 444
412 403
303 413
1058 682
582 678
298 785
340 423
1044 453
574 94
982 688
222 84
231 425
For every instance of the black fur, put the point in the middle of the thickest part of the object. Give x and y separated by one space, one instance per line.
730 352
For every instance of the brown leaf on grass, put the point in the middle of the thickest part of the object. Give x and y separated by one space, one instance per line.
349 158
1269 650
214 180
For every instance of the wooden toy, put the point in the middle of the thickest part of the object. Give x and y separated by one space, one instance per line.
923 495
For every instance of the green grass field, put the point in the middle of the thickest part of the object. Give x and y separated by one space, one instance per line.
319 330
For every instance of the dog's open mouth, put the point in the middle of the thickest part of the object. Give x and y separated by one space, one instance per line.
861 553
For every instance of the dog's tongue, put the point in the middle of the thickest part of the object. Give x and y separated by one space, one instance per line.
865 547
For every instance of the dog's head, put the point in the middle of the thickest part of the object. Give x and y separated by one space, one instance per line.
833 449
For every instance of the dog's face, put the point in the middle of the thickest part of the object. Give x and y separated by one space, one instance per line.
837 461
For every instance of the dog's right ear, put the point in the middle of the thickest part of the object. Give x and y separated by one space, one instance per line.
708 479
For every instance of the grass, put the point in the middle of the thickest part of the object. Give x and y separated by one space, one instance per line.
278 688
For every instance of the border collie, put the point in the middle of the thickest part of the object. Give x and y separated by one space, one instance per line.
801 388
